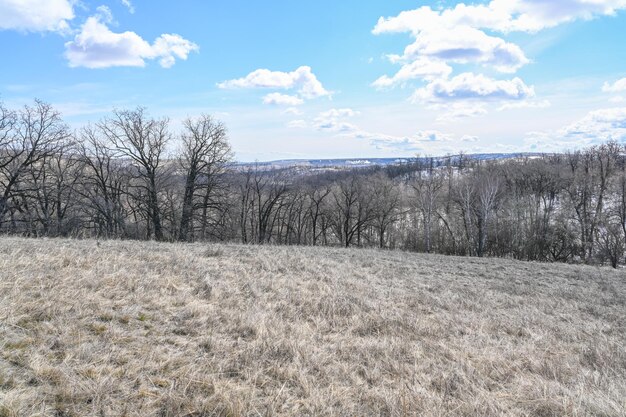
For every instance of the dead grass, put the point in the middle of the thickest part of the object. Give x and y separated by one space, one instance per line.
147 329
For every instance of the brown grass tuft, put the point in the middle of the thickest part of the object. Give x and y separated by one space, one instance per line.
150 329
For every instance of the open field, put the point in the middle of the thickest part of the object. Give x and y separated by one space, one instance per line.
149 329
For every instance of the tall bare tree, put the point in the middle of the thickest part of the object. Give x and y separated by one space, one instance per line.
205 155
386 204
104 183
317 195
353 209
28 138
143 141
428 186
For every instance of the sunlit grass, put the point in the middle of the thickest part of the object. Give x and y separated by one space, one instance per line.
158 329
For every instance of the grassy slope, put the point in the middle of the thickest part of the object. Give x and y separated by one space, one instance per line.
129 328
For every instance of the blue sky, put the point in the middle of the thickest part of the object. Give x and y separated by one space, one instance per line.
332 79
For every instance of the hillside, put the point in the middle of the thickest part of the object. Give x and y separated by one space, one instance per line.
151 329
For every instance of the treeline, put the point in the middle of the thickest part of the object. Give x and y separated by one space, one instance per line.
128 176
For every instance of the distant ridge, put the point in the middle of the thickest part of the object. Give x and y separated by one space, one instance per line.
363 162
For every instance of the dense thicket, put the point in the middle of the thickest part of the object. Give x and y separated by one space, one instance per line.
129 177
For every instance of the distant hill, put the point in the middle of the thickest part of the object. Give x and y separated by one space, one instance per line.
365 162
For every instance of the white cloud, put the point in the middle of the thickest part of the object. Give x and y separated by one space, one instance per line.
297 124
96 46
422 141
104 14
335 121
168 47
469 138
617 99
525 104
293 111
499 15
129 5
36 15
617 87
407 21
467 35
302 80
282 100
474 86
422 68
338 113
597 126
465 45
459 110
431 136
331 120
533 15
548 142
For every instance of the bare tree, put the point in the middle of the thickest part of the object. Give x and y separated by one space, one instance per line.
119 182
8 120
104 183
268 190
352 208
142 140
487 199
587 186
28 138
386 201
204 156
317 196
428 187
465 198
611 241
246 205
51 185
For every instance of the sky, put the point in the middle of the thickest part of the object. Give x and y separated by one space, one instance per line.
332 79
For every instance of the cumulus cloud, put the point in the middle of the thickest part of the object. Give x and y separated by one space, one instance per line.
474 86
597 126
473 35
441 38
499 15
465 45
282 100
168 47
421 68
532 15
302 81
96 46
36 15
333 120
616 87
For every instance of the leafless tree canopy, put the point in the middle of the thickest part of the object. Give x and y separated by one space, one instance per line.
129 176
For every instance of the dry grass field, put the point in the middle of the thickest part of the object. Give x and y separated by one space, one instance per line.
149 329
